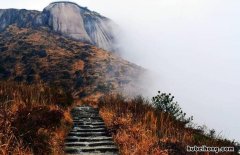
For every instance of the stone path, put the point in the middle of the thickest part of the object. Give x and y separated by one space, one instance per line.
89 135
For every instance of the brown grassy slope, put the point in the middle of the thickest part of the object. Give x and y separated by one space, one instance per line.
31 56
139 129
33 119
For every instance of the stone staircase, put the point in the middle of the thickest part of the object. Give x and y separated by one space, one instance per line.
89 135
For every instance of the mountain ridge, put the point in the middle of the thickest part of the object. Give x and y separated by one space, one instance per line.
66 18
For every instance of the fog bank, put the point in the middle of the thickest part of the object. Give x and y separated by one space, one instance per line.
192 48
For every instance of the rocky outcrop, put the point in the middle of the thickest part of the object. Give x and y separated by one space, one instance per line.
66 18
21 18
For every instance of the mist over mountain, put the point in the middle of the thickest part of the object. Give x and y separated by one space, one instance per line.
192 46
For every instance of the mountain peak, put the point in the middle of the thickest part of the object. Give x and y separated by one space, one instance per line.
66 18
66 3
73 4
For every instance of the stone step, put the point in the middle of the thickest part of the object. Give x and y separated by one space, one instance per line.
99 149
84 113
85 107
87 117
88 139
90 130
99 143
84 110
89 126
90 123
88 134
90 116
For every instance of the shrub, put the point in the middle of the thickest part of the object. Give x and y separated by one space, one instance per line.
42 53
164 102
102 87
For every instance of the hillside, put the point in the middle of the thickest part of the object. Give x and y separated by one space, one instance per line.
38 55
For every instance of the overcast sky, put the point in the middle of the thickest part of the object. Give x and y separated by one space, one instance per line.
192 46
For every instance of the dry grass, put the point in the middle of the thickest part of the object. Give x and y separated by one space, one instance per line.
39 55
138 128
33 119
79 65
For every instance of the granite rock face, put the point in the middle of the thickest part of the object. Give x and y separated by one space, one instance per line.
22 18
66 18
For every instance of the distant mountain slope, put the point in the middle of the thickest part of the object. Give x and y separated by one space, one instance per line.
66 18
34 55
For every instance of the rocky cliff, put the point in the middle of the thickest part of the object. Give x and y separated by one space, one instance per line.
65 18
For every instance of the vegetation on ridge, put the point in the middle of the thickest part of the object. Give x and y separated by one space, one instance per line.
35 55
138 127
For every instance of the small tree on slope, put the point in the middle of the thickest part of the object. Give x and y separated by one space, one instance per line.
165 103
